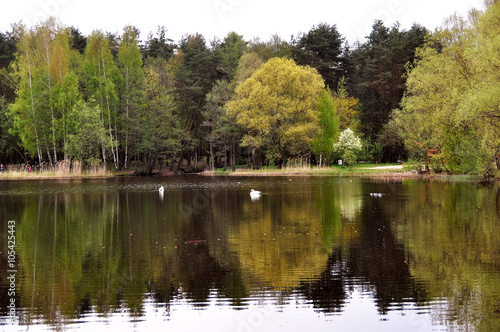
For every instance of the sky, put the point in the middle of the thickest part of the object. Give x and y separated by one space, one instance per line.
250 18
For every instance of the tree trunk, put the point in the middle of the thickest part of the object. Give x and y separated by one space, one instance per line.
172 164
127 116
150 165
181 161
212 165
281 161
38 148
233 155
225 160
256 159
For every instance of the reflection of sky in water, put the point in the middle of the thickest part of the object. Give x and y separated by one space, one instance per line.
359 313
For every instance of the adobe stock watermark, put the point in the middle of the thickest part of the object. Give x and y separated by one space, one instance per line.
201 200
44 10
421 322
254 319
11 270
389 13
222 7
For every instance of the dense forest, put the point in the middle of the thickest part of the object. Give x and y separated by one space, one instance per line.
116 100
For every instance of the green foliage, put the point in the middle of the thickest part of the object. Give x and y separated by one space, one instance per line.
159 46
87 133
378 80
474 157
436 163
223 130
132 88
247 65
194 72
277 107
101 86
47 89
7 55
378 152
366 153
232 49
328 127
451 102
348 107
160 132
275 47
453 94
321 48
417 165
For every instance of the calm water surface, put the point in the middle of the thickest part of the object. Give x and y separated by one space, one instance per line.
311 254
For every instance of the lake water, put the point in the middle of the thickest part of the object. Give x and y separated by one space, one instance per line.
311 254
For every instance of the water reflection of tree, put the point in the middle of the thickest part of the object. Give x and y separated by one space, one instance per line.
373 259
451 233
380 258
329 294
277 241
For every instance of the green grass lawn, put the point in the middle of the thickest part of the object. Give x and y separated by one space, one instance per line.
357 169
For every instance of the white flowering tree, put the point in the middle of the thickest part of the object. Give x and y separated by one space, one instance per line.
348 147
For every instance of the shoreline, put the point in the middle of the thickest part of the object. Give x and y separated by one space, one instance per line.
400 175
388 172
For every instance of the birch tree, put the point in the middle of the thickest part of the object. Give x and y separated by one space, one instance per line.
47 88
102 81
130 65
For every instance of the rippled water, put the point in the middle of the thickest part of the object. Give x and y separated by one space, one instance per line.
312 253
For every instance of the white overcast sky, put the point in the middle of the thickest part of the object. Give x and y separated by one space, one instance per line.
250 18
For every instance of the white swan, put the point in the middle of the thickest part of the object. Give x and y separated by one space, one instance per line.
254 194
161 190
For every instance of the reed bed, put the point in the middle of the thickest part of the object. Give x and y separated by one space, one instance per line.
62 169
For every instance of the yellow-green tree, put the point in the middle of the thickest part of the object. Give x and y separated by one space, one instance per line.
277 107
47 88
348 108
453 94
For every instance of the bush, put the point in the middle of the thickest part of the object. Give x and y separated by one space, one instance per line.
348 147
436 163
415 165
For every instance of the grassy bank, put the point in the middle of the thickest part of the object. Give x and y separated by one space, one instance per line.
358 170
361 170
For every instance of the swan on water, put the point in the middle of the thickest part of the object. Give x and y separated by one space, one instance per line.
161 190
255 194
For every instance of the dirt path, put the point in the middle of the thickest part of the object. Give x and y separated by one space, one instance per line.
385 167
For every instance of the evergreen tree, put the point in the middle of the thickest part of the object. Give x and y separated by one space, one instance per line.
321 48
379 79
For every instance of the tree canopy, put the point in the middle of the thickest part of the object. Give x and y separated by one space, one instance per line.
194 103
452 100
277 106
